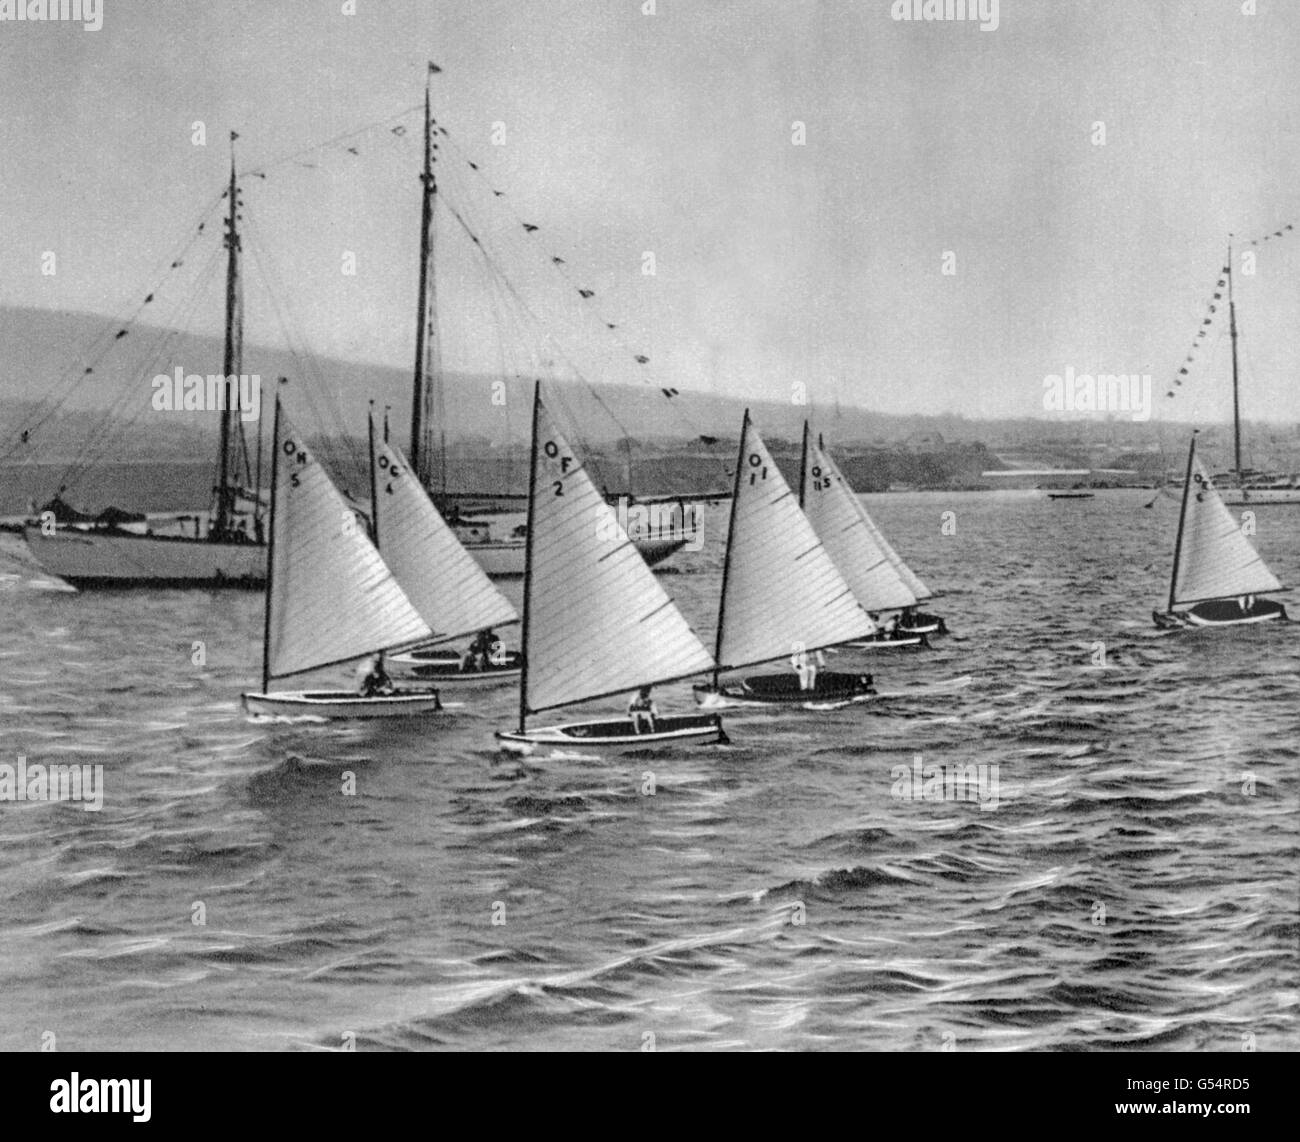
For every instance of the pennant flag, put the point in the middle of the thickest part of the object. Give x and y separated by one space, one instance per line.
203 224
175 264
473 166
610 325
641 360
1182 372
353 151
558 261
499 193
529 227
434 69
120 334
233 136
587 292
399 130
148 299
88 371
708 440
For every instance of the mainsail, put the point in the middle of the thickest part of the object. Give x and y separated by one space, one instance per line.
330 596
1214 559
850 537
596 620
781 591
442 580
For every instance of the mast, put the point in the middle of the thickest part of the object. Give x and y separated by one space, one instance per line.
1236 404
230 362
374 481
528 561
803 464
1182 519
726 563
424 316
270 545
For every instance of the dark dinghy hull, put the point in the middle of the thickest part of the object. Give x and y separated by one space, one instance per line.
447 668
614 735
1221 613
832 690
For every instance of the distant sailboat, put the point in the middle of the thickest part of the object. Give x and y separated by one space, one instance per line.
782 596
1217 572
330 598
596 620
880 580
444 582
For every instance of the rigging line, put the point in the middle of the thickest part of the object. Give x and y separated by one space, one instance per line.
554 341
92 354
591 313
297 347
109 429
389 122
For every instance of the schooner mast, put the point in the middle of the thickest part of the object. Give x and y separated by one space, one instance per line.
425 331
1236 402
232 433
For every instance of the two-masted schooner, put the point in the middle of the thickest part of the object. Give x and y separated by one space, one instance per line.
1218 576
782 597
330 597
596 623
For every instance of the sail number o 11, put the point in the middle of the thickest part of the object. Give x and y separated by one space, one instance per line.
756 461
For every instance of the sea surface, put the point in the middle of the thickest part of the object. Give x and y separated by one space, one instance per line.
1133 884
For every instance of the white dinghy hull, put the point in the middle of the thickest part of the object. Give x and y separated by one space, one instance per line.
615 735
342 704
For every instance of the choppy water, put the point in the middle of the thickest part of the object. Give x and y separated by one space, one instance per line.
770 894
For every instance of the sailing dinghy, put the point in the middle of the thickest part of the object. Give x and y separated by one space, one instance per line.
880 580
330 598
1217 574
442 580
596 620
782 596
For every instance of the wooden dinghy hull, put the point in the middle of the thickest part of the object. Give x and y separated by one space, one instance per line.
615 735
343 704
447 668
833 690
1221 613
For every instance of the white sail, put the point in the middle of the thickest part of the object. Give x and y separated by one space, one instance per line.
331 596
782 591
1216 560
597 620
442 580
850 537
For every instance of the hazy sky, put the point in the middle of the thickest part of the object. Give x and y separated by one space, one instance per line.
625 133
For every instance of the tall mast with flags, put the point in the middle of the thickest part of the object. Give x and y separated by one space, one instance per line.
425 332
233 447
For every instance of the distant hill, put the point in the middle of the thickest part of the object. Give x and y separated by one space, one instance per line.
108 416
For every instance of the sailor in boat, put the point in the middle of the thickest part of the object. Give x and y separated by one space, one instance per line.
806 667
374 678
643 712
485 651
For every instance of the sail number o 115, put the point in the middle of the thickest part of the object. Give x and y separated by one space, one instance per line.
294 451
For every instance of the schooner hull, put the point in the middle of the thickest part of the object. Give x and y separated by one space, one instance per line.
1251 497
614 735
832 690
334 704
1221 613
103 559
123 559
